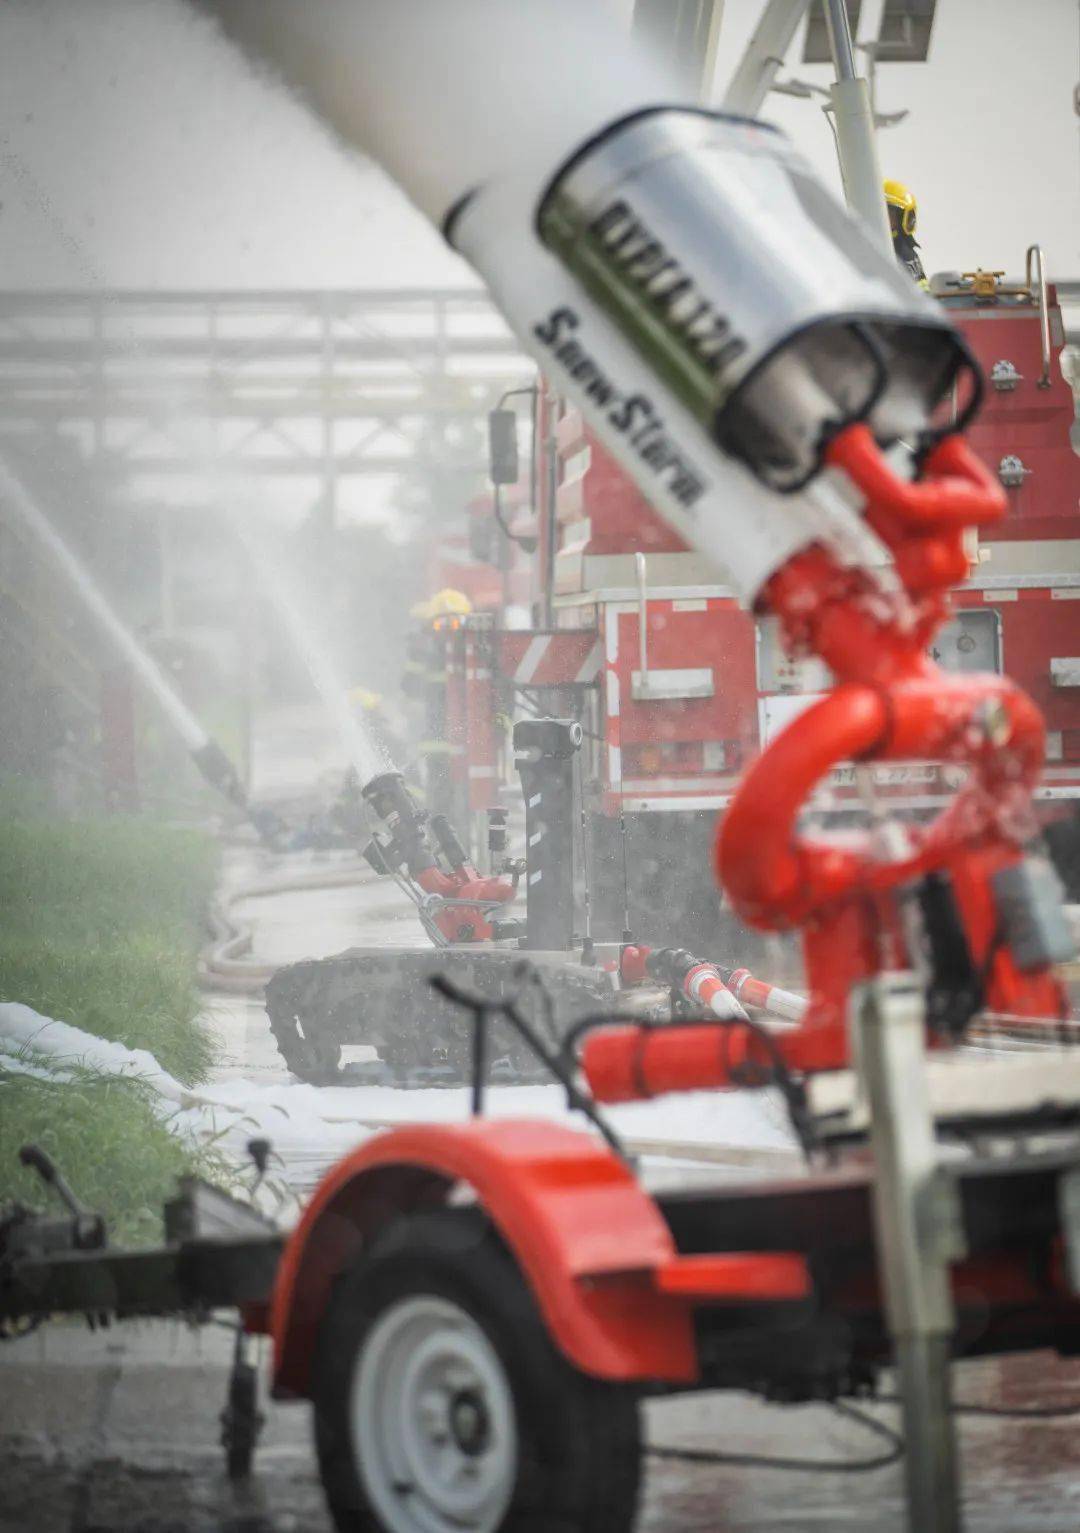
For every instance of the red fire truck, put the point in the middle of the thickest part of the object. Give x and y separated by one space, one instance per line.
677 687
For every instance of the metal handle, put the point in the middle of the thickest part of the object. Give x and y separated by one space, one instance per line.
34 1158
87 1229
1035 256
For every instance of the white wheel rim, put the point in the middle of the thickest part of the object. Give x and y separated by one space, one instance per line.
432 1419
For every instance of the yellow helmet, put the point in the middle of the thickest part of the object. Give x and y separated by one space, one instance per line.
449 601
903 209
361 698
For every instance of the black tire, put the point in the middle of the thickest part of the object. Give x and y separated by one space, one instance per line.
577 1465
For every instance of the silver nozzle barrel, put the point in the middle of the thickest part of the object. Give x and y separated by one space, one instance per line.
748 289
395 806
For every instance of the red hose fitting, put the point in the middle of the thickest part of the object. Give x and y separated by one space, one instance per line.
464 923
957 490
634 1063
892 704
923 521
632 964
631 1064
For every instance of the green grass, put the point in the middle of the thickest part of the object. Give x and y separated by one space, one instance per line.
137 991
100 926
119 1157
100 880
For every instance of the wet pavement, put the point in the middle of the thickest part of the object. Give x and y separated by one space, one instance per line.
94 1444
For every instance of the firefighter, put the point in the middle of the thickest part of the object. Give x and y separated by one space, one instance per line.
448 603
430 616
903 213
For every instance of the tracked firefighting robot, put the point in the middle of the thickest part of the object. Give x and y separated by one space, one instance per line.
795 406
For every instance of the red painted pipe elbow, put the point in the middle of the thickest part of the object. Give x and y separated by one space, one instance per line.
770 879
958 490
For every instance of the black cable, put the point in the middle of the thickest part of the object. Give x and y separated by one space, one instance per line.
799 1465
562 1060
595 1019
576 1100
1019 1412
529 974
1009 1412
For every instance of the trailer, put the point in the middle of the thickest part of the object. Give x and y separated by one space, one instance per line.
475 1313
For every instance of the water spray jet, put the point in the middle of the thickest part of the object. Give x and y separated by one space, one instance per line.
208 756
368 758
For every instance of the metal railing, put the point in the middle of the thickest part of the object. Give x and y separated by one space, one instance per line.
1037 288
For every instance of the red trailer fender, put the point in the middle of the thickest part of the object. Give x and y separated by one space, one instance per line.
586 1236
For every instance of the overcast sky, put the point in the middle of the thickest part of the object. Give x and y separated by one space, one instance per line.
991 145
139 150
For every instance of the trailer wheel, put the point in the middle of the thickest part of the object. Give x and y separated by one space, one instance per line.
441 1403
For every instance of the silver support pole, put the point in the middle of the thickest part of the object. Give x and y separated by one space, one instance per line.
840 44
856 137
919 1234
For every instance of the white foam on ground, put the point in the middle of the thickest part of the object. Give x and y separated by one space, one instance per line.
66 1047
312 1125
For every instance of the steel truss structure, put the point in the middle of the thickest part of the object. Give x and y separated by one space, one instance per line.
309 387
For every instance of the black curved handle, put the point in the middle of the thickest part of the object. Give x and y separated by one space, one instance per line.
34 1157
